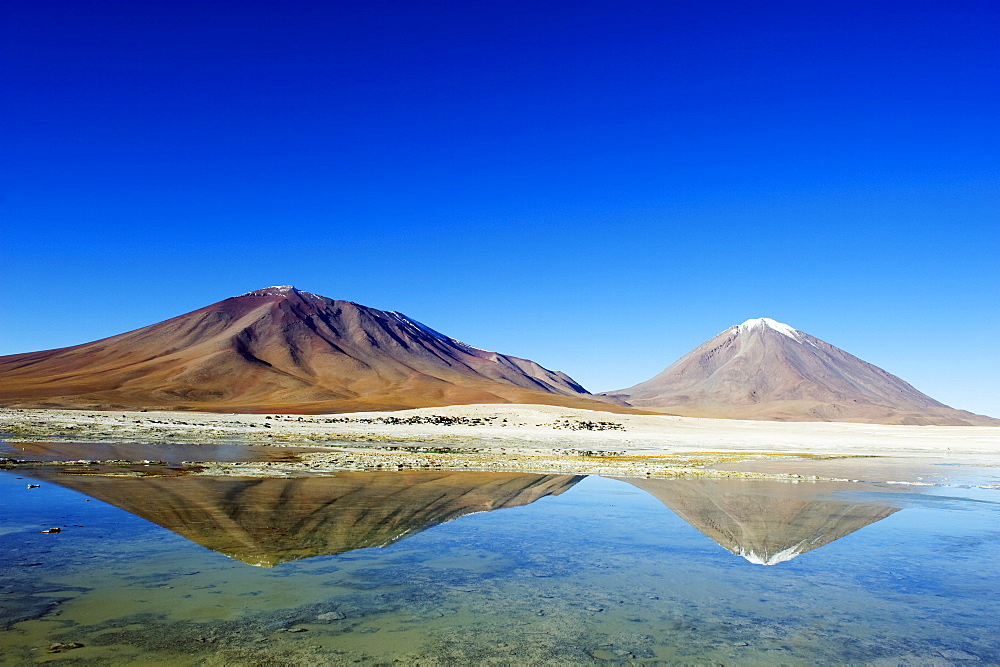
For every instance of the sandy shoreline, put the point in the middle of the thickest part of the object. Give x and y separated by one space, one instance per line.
529 438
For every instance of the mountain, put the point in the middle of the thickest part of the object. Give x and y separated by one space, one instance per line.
763 369
265 522
281 349
762 521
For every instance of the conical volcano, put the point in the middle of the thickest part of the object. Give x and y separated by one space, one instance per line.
276 349
763 369
764 522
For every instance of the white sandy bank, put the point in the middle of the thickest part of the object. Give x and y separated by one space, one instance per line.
659 433
511 426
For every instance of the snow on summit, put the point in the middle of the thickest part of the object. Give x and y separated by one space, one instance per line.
283 290
274 290
768 323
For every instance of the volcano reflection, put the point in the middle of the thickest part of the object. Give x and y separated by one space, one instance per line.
269 521
765 522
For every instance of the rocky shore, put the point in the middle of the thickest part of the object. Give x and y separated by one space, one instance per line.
598 463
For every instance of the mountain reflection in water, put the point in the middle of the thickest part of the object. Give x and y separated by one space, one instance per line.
269 521
765 522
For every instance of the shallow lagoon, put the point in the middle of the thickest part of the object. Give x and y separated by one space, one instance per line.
566 569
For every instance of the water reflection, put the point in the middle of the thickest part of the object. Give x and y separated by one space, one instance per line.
269 521
600 572
765 522
169 452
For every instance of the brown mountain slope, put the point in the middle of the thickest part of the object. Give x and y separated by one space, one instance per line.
763 369
281 349
764 522
269 521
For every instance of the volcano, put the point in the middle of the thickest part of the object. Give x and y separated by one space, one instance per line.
763 369
281 349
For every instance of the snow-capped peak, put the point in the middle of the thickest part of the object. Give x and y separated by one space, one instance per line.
768 323
780 557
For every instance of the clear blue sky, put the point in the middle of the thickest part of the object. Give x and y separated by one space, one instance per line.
598 186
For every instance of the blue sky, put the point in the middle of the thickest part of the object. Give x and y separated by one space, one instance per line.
596 186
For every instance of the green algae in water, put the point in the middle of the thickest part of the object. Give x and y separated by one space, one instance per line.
567 570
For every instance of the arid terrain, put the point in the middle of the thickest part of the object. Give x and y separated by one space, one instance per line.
516 438
280 349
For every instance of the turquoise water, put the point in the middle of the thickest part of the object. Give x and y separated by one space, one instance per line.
598 570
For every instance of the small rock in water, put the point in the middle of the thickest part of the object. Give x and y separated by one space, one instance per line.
332 616
59 648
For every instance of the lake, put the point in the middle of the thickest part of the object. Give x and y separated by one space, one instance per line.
469 567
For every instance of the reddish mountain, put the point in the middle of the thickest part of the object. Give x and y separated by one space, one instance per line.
763 369
280 349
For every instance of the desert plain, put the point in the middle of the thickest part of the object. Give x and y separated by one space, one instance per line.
521 438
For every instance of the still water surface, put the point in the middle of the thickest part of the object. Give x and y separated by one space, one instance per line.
414 566
167 452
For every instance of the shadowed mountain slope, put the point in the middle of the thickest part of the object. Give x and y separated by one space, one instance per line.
281 349
269 521
764 522
763 369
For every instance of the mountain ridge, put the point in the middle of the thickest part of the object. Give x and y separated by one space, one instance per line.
280 348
